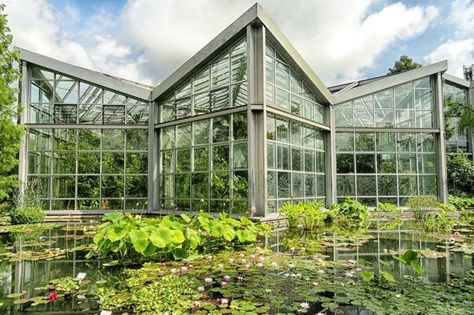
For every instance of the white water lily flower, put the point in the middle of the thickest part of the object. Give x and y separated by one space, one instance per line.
208 280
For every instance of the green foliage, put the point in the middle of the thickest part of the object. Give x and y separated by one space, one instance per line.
410 259
28 209
405 63
388 207
310 215
438 221
419 205
10 132
464 114
461 203
135 238
349 215
460 174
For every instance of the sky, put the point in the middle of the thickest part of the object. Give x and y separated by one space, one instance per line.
342 40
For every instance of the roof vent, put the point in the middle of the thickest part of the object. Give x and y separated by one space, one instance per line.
468 70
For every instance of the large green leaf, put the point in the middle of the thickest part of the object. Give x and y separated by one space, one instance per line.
417 267
185 218
177 236
193 237
387 276
161 237
117 233
139 240
367 275
408 257
113 216
179 253
229 233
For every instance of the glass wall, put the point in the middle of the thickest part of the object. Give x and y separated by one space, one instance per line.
74 166
455 141
408 105
295 162
219 85
203 165
385 166
286 91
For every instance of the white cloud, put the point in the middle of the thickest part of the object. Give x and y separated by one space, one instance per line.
457 52
38 27
462 16
149 39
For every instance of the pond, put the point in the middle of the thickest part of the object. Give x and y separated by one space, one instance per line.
30 257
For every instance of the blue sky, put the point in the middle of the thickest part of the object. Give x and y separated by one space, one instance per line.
343 40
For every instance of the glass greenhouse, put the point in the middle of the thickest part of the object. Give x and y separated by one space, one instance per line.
245 123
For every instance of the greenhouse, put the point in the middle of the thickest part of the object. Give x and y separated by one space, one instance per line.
244 124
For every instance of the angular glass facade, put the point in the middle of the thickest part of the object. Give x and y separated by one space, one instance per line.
243 125
78 156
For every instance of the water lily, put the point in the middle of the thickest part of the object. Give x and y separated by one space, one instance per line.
242 255
268 290
227 278
240 278
291 266
231 260
315 284
173 271
304 306
259 265
196 304
52 296
274 264
321 271
223 284
224 301
348 274
201 289
208 280
220 265
209 257
184 269
247 266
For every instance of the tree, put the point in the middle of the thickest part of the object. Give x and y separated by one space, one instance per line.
10 131
405 63
460 174
463 112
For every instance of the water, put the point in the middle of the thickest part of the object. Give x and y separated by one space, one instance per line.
43 255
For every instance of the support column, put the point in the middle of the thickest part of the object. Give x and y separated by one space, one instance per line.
331 178
441 140
153 152
256 115
470 102
23 102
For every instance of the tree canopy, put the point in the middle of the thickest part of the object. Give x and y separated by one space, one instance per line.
10 131
405 63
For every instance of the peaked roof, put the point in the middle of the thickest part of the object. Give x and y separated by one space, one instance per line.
255 14
128 87
388 81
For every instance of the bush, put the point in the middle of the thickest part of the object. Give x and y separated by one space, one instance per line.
26 215
460 175
310 215
388 207
349 214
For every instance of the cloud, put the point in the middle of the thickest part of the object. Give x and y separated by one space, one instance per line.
37 26
148 39
462 16
457 52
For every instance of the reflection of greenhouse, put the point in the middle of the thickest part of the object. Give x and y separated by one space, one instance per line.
243 123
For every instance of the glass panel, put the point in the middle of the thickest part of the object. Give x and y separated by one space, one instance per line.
201 159
113 162
137 115
183 136
271 128
201 82
220 185
137 139
366 186
282 126
64 187
404 96
88 163
426 163
407 163
344 115
240 185
309 160
365 163
387 185
168 161
113 139
297 185
386 142
220 129
386 163
428 185
282 77
90 114
283 157
183 160
239 68
201 132
113 114
344 142
271 155
407 185
282 99
112 186
200 186
220 157
240 155
365 142
345 163
320 164
66 92
345 185
283 185
137 163
296 133
39 162
239 126
297 159
89 139
64 163
220 73
406 142
64 139
310 185
271 184
88 187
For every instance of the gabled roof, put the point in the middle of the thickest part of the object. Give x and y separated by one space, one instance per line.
389 81
255 14
456 80
131 88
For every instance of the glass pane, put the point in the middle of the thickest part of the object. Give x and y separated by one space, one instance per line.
406 142
310 185
271 155
113 114
113 139
309 160
220 185
64 139
90 114
406 163
345 163
200 186
201 159
386 142
39 162
240 155
66 92
296 133
282 99
365 142
88 187
366 186
384 118
183 136
428 185
112 186
404 96
220 73
283 185
271 184
365 163
88 163
240 126
344 142
405 118
282 77
343 114
345 185
269 69
220 157
136 186
64 187
137 139
64 163
89 140
240 185
137 114
41 185
113 162
220 128
239 68
387 185
168 161
427 163
137 163
201 82
297 159
282 127
296 107
271 128
407 185
283 157
201 132
321 186
297 183
320 162
386 163
183 160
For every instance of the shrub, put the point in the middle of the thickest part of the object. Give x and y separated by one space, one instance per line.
349 214
460 174
388 207
310 215
26 215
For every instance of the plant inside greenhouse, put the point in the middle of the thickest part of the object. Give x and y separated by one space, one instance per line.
239 184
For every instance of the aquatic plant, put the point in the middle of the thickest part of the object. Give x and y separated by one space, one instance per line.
349 214
135 238
309 215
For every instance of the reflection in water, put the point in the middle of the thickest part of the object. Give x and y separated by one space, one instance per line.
60 252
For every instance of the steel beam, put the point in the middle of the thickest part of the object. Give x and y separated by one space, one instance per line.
441 140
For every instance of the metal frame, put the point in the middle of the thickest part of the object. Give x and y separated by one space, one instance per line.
441 140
